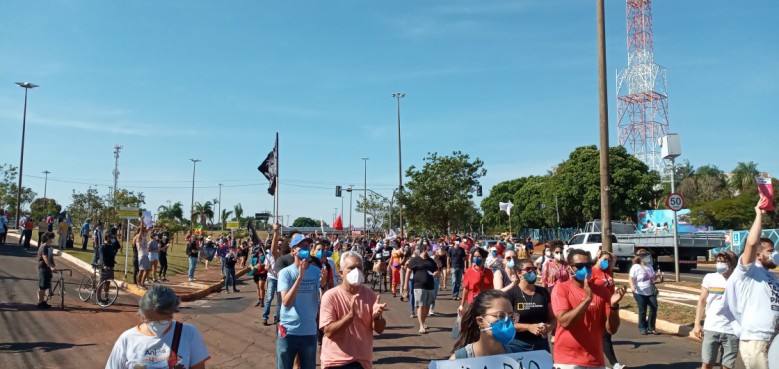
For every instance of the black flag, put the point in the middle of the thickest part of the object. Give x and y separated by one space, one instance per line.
269 168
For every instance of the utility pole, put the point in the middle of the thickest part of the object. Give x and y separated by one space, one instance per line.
27 86
605 204
192 202
350 208
365 199
45 183
398 96
117 148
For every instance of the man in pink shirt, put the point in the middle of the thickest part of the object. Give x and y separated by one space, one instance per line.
349 314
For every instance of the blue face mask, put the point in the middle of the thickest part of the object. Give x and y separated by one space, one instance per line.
304 253
510 264
583 273
319 254
477 261
531 277
502 331
604 264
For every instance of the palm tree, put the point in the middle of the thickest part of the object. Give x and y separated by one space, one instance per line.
171 212
203 211
238 209
225 214
743 176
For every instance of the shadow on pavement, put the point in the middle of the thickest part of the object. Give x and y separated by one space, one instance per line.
395 328
392 336
636 344
56 307
403 348
401 360
685 365
17 347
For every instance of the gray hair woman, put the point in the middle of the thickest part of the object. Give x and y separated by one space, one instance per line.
159 341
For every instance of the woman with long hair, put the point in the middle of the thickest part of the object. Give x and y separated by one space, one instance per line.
259 274
556 270
141 243
533 306
642 281
486 327
603 275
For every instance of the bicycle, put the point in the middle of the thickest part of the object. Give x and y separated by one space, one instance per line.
105 292
61 285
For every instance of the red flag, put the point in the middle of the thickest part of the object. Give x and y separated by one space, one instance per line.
338 224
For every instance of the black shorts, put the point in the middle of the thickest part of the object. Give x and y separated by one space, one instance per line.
260 277
44 278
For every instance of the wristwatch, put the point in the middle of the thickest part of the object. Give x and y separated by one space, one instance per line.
614 307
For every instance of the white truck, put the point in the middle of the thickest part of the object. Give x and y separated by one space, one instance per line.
691 245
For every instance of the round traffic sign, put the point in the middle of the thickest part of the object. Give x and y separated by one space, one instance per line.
674 202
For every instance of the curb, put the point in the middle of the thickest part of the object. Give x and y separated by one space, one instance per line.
661 325
130 287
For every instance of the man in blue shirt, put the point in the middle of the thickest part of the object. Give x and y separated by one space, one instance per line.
85 229
299 286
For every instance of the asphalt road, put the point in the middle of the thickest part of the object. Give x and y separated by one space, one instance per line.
83 335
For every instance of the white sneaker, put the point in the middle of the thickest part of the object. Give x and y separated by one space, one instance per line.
432 313
191 279
619 366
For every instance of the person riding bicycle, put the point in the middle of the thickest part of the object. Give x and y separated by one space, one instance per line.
46 267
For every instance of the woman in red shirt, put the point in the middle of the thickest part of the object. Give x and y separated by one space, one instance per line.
476 279
603 275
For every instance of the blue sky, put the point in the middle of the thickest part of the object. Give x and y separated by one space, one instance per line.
511 82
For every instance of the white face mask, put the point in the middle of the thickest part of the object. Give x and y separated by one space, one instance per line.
355 277
722 267
775 257
158 327
548 253
558 256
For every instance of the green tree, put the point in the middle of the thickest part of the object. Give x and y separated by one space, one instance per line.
87 205
202 212
9 189
496 220
440 192
743 177
40 208
224 216
378 211
306 222
238 211
171 212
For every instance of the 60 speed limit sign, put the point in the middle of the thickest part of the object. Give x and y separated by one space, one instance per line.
674 202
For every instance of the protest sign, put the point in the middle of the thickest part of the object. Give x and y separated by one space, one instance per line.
520 360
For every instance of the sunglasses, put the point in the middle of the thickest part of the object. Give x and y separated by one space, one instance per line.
502 315
558 252
582 265
529 269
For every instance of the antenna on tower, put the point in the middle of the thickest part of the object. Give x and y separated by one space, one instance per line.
117 149
642 97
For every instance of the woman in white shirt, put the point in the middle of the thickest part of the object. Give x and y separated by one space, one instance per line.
642 281
159 342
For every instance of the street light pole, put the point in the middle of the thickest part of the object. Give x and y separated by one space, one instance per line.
605 204
26 86
45 183
219 209
365 198
192 202
351 187
398 96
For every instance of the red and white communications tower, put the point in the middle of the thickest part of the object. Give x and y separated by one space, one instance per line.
642 98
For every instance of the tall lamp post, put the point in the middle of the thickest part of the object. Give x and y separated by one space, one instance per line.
45 182
605 204
192 202
365 198
26 86
670 149
398 96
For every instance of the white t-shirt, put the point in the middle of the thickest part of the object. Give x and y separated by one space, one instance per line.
644 276
134 349
753 299
270 261
716 321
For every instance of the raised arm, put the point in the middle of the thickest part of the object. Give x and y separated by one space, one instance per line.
753 239
274 243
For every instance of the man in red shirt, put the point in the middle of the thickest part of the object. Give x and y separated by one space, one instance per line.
477 278
583 311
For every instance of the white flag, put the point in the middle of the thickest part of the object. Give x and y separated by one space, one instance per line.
506 206
391 235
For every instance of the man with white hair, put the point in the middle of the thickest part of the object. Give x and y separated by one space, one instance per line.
349 314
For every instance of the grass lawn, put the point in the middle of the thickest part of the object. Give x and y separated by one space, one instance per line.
673 313
177 258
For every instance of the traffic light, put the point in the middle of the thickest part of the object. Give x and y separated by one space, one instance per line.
337 191
478 191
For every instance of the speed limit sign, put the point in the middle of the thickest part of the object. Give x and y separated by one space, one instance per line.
674 202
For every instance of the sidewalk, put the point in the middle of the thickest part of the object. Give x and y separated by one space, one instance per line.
206 281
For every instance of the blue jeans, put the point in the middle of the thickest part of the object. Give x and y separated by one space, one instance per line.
642 301
97 255
222 259
290 346
192 266
411 295
436 284
229 276
457 280
273 285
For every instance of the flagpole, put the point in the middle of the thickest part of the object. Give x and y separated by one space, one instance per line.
276 196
